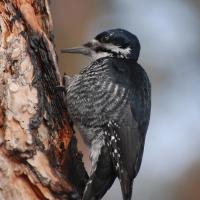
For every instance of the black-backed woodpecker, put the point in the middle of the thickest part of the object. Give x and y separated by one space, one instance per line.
109 102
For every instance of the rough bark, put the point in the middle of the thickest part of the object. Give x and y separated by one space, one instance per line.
38 153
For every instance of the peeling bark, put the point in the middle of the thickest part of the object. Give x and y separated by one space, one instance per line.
38 154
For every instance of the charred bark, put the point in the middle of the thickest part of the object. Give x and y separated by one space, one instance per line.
38 154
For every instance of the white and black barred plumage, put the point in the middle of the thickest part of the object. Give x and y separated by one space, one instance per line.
109 102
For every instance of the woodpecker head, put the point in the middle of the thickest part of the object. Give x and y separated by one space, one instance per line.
112 43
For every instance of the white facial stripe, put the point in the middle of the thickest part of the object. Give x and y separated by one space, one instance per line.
109 46
94 41
96 56
117 49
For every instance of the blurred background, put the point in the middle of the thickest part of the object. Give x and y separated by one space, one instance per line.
169 32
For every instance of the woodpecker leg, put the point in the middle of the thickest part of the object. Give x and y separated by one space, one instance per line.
101 178
66 81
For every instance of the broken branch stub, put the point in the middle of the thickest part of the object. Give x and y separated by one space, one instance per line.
37 146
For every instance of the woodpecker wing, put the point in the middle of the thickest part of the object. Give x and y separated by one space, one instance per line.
130 130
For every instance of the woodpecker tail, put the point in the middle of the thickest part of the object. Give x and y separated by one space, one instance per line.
126 186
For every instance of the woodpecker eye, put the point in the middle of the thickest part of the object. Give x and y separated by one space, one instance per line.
115 39
103 37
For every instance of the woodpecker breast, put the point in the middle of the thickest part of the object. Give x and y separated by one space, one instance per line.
93 98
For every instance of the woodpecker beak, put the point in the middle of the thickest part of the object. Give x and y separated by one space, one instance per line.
80 50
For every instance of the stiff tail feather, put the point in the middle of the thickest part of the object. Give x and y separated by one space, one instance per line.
126 185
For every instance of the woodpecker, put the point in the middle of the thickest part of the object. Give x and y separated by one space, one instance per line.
109 102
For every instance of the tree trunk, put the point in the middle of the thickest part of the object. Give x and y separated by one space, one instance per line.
38 153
